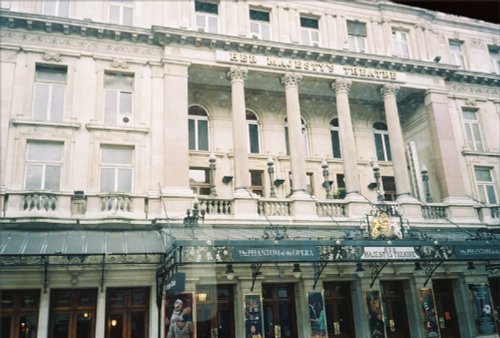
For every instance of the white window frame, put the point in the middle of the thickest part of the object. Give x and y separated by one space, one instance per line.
309 36
116 167
473 135
121 116
208 18
457 56
43 163
384 135
121 6
260 29
196 119
357 43
58 8
482 186
335 129
253 122
52 86
400 43
494 53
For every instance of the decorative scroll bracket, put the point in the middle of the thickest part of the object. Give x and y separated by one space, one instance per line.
377 268
255 272
318 269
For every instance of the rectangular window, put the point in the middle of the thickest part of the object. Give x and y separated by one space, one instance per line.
309 30
383 147
19 313
56 7
472 129
118 89
256 182
253 130
389 187
43 165
127 313
457 54
50 84
485 185
116 168
334 133
199 181
260 24
121 12
356 32
72 313
207 16
309 184
494 52
400 43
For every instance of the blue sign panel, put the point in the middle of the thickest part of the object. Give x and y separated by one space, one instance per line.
486 252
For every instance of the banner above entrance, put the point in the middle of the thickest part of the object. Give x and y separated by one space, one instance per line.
309 66
270 254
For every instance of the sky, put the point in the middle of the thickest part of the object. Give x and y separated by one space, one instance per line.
487 10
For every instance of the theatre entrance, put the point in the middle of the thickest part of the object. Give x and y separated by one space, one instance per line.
445 307
396 319
279 311
339 315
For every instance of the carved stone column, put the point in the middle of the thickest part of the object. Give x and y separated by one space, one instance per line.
291 83
237 76
348 143
401 176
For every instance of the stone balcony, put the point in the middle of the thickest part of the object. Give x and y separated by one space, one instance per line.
65 207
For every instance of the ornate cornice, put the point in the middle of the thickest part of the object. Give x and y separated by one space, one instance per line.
341 85
291 79
237 74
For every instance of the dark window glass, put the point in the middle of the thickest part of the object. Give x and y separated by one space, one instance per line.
335 143
5 322
356 28
309 23
206 7
379 147
192 135
253 130
259 15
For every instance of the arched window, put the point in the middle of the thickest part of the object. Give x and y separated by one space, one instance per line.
253 133
382 144
304 137
334 133
198 128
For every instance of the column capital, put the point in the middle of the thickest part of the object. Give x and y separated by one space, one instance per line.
341 85
291 79
389 89
236 73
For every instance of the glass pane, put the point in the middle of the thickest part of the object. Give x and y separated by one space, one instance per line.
268 321
114 14
469 114
202 135
198 175
285 320
200 21
86 299
282 293
62 299
49 7
483 174
309 23
116 326
64 8
116 298
44 151
125 103
137 325
335 144
116 155
5 323
286 141
28 326
52 177
41 101
107 180
124 180
253 131
83 325
356 28
379 147
256 177
470 139
314 36
50 74
490 190
61 326
6 300
224 319
34 177
344 317
477 137
206 7
138 298
110 107
259 15
266 31
57 107
305 37
192 134
127 16
387 147
119 81
212 24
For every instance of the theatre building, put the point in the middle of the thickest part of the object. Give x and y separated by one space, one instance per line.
235 169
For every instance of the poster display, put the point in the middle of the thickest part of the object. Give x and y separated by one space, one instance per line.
179 316
253 316
317 316
483 310
428 309
375 316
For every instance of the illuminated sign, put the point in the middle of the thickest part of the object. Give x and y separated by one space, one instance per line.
389 253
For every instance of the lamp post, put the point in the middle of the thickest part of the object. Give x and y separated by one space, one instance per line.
376 174
326 179
194 215
270 171
425 180
211 166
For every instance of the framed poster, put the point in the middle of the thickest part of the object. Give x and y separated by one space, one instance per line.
428 309
375 317
317 316
483 310
253 316
178 316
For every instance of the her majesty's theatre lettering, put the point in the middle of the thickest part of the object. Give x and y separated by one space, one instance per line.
308 66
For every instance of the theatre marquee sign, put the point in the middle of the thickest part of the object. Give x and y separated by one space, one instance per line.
326 68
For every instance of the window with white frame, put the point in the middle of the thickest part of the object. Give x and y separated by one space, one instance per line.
494 52
199 181
198 128
472 129
118 89
50 84
304 138
485 185
207 16
260 26
309 30
257 182
56 7
43 165
335 137
356 35
382 145
253 133
121 12
400 45
117 163
457 54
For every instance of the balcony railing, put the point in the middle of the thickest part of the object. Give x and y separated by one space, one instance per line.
273 208
116 202
217 206
39 201
331 209
434 211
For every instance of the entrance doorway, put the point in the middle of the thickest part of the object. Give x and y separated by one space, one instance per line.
215 314
445 307
279 311
19 313
339 315
127 313
396 319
